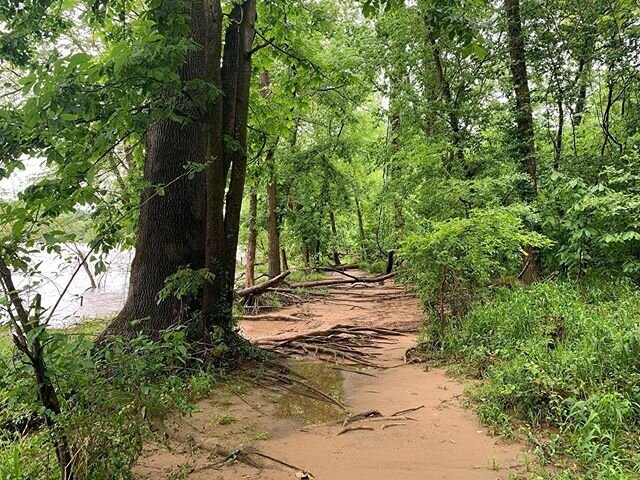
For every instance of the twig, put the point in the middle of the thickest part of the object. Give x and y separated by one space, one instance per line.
408 410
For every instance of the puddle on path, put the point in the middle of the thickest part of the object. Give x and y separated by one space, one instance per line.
308 410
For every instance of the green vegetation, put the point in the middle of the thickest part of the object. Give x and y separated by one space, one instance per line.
558 356
491 149
115 395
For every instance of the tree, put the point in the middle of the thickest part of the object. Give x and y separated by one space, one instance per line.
171 231
525 139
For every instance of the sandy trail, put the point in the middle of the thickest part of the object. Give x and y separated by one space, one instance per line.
440 440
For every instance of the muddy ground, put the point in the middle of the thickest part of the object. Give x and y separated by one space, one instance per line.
269 433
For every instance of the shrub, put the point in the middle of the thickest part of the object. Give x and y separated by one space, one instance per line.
455 259
562 356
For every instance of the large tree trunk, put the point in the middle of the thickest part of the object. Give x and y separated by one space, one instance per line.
171 226
524 119
249 271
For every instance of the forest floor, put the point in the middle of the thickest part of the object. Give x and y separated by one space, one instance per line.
268 433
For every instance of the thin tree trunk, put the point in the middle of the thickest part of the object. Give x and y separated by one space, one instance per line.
559 134
452 109
334 232
85 265
285 262
251 243
236 79
361 233
272 220
581 81
31 346
272 192
306 255
524 116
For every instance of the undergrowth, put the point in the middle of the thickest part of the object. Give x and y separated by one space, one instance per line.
557 358
110 397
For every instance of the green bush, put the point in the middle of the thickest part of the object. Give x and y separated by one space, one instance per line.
561 356
108 397
453 261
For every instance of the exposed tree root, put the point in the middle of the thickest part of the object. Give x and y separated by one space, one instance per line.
348 345
277 377
353 429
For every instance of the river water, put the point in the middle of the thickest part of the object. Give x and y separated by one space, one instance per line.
80 302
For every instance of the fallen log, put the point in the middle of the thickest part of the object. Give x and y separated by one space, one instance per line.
342 281
333 268
261 287
275 318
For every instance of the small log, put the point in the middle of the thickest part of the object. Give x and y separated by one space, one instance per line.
345 281
286 318
261 287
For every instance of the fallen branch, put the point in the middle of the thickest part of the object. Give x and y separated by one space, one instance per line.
346 281
268 317
260 288
353 429
361 416
408 410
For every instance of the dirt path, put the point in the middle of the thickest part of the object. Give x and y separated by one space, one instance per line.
439 440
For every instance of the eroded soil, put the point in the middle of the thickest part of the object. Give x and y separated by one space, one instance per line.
292 436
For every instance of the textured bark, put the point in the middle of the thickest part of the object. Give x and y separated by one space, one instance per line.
171 226
285 261
249 271
236 79
195 223
524 117
524 121
334 232
272 192
272 222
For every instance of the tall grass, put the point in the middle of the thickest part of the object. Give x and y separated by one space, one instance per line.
563 357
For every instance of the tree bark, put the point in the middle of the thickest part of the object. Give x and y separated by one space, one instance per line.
285 262
272 220
251 243
451 104
195 223
272 192
524 117
236 77
524 120
171 226
334 232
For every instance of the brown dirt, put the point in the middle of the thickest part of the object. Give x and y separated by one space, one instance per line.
440 440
